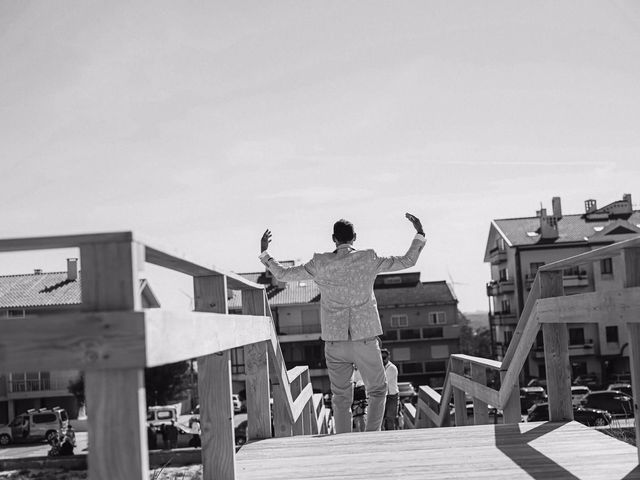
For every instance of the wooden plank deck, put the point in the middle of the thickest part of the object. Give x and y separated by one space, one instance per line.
517 451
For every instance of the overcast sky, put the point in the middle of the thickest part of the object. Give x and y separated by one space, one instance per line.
200 123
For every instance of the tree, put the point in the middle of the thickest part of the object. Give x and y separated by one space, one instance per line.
167 383
76 388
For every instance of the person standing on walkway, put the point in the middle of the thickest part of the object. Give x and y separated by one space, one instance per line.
349 319
392 403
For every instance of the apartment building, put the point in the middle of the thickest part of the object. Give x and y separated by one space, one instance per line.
39 293
517 247
419 320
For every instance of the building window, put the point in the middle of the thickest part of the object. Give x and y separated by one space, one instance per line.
409 333
435 367
432 332
506 306
576 336
437 318
399 320
401 354
237 360
534 267
507 335
440 351
612 334
412 367
539 340
389 335
15 313
501 244
606 266
503 275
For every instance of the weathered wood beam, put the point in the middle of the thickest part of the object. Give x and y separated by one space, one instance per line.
611 307
476 390
179 262
78 340
607 251
483 362
62 241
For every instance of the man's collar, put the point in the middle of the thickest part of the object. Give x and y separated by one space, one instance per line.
343 246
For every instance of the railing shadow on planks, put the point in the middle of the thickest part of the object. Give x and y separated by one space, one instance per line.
546 307
112 339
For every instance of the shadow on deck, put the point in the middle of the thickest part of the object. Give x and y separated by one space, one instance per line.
527 450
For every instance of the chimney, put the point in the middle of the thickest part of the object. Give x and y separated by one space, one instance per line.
72 269
548 226
590 206
557 207
37 271
627 198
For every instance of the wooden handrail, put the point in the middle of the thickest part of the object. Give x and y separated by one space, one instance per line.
113 339
610 307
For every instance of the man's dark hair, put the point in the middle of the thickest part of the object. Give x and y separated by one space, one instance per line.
343 231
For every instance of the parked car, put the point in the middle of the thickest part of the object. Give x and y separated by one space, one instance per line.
538 382
35 425
621 387
161 415
578 392
618 404
589 380
591 417
529 396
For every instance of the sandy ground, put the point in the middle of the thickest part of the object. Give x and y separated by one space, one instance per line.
192 472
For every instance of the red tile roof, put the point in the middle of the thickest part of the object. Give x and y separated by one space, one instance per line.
296 293
571 228
293 293
38 290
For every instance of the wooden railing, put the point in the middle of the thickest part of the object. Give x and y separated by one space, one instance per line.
547 308
113 339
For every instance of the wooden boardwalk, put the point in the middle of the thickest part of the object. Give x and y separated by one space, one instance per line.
516 451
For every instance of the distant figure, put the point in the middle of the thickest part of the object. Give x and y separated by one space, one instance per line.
349 317
71 434
165 436
152 437
66 447
359 406
172 434
392 403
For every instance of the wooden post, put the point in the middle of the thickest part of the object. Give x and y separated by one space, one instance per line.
632 279
556 354
459 400
480 408
310 414
296 388
511 412
256 360
115 398
214 389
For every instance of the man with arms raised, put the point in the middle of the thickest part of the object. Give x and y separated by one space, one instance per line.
349 317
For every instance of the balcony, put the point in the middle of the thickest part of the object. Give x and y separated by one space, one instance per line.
492 289
497 256
298 329
38 385
503 318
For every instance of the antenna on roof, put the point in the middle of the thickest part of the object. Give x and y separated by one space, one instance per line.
453 289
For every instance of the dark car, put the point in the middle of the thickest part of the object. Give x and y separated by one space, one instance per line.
589 380
530 396
618 404
589 416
